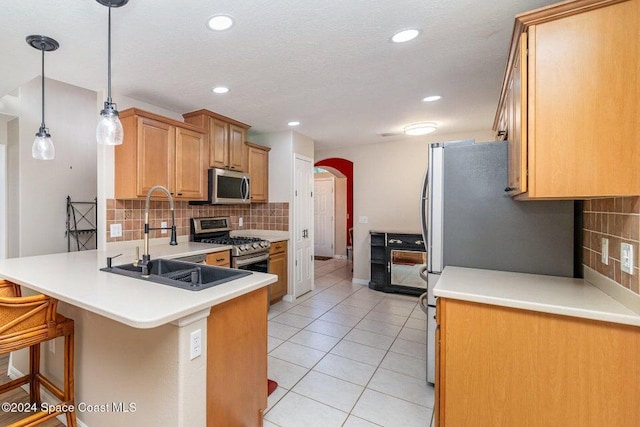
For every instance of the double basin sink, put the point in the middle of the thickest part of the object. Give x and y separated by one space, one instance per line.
180 274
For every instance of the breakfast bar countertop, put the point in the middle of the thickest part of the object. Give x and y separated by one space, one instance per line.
547 294
75 278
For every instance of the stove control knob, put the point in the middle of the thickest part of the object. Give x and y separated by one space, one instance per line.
255 245
243 247
264 244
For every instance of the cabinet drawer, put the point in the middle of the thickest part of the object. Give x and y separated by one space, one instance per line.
277 248
220 259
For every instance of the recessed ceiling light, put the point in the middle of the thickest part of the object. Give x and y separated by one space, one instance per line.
220 89
405 35
431 98
220 22
420 128
294 123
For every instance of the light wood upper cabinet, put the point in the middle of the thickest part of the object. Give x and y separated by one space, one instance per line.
237 149
226 138
218 143
258 161
190 161
159 151
579 106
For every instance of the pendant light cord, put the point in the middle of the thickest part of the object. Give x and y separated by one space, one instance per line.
109 59
42 47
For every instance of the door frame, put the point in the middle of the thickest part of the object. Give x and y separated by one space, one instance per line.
295 222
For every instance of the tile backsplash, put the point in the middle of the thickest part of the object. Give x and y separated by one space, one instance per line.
130 213
617 219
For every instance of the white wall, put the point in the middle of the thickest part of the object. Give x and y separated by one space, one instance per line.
280 163
13 188
44 185
3 186
387 179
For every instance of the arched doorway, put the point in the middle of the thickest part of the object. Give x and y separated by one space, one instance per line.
342 171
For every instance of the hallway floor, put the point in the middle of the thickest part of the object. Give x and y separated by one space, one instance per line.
345 355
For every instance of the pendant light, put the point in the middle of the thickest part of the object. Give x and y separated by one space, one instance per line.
109 130
43 148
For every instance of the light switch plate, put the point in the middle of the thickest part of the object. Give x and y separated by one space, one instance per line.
605 251
163 225
363 220
626 258
115 230
240 221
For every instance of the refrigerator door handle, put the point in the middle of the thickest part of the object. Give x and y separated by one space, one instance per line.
423 274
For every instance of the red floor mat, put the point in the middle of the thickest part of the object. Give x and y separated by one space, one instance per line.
271 386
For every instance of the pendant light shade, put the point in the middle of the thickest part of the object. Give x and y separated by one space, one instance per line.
42 148
109 130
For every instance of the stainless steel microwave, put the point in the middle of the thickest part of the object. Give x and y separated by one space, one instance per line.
226 188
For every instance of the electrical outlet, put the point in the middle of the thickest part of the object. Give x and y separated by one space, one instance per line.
363 220
163 225
115 230
240 221
626 258
196 343
52 346
605 251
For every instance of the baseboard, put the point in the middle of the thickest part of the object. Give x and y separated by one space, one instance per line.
288 298
46 396
364 282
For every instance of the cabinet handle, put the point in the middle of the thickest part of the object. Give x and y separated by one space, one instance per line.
179 194
502 133
508 189
219 259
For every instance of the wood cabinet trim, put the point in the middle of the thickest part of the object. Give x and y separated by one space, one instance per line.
142 113
215 116
259 147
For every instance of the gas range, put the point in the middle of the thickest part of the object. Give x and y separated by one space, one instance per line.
217 230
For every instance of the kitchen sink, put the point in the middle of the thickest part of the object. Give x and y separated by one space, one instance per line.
180 274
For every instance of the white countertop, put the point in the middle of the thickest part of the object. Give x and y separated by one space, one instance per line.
270 235
547 294
75 278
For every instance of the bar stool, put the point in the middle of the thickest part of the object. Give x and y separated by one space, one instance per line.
26 322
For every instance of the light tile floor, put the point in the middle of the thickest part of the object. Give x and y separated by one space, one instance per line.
345 355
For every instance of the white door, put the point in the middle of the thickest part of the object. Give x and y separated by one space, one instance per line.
324 211
303 225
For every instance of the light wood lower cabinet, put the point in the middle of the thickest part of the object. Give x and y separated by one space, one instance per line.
499 366
278 266
219 259
237 361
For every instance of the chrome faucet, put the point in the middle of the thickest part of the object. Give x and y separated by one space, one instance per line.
145 263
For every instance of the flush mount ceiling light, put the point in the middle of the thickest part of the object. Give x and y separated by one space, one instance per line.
220 22
431 98
420 128
42 148
405 35
294 123
109 130
220 89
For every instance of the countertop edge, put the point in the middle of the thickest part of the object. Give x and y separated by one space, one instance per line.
631 319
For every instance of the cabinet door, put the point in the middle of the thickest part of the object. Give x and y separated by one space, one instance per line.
259 172
156 144
190 165
218 143
584 109
278 266
517 122
237 136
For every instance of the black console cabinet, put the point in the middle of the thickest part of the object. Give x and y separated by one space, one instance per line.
396 259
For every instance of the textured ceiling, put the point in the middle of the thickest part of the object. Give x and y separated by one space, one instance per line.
326 63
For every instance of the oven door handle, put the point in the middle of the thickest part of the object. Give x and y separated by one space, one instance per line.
246 261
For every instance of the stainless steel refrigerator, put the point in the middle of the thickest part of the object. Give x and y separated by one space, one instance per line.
468 220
